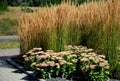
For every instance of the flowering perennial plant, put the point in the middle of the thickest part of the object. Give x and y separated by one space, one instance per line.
49 64
93 67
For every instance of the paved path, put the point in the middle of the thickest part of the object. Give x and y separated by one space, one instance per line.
9 52
7 71
9 38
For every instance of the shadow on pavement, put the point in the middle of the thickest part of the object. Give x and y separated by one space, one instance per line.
13 71
4 64
26 78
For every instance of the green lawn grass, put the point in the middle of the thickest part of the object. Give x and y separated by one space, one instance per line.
7 45
9 19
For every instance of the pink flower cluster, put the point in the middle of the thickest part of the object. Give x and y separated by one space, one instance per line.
78 49
50 63
49 58
94 60
89 59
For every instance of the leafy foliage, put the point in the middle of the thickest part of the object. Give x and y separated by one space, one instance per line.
50 64
3 6
41 2
26 9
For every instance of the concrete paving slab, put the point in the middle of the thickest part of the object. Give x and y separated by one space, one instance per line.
9 52
9 73
9 38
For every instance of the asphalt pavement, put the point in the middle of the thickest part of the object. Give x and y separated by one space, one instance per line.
9 38
9 52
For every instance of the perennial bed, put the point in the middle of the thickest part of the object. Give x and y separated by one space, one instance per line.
76 63
14 61
95 24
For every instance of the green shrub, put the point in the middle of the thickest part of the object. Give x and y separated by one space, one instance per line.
3 7
28 10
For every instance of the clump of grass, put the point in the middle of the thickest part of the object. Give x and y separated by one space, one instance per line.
51 30
7 45
93 24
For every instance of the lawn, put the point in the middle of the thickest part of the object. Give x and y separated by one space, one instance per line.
9 19
7 45
15 12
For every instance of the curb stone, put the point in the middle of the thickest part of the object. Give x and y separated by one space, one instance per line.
31 73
